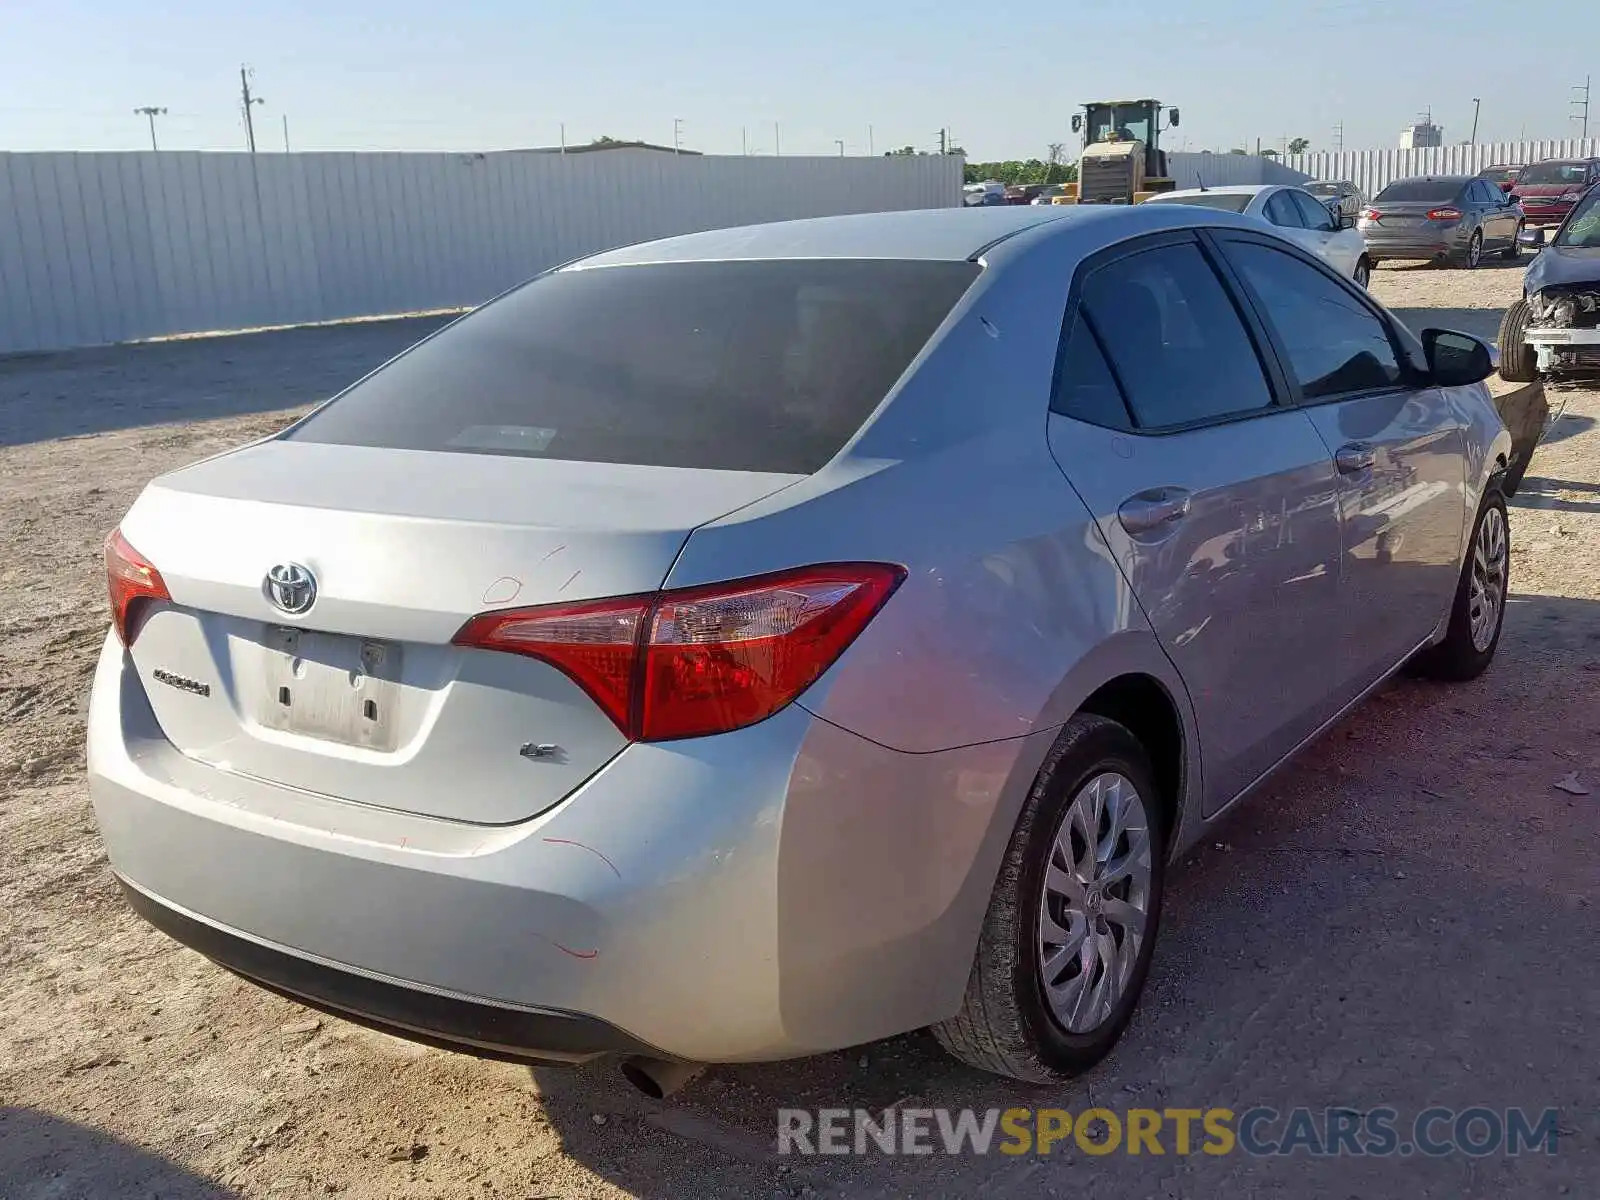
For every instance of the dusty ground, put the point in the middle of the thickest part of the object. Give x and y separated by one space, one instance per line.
1406 917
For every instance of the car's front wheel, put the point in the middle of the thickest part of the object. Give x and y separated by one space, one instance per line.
1513 252
1072 922
1363 275
1517 361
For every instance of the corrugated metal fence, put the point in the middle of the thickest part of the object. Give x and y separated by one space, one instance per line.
1190 169
1371 170
98 248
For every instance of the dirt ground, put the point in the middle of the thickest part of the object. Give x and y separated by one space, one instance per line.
1405 917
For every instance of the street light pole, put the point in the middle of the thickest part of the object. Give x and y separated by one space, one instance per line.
151 112
839 142
1476 104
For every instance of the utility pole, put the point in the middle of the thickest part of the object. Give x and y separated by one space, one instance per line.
943 140
1476 105
151 112
872 150
246 100
563 137
1582 105
1338 138
839 142
286 133
744 141
677 135
777 145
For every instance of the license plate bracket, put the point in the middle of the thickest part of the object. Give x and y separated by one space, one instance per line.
332 687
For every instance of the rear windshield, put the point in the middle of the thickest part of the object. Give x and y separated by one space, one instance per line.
1321 189
739 366
1226 201
1424 190
1500 174
1554 172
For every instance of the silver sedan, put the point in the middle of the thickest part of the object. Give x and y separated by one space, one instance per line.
759 642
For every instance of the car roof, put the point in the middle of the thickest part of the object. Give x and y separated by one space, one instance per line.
1458 179
949 234
1230 189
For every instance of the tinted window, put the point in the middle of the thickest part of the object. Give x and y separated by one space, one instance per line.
1424 191
745 366
1226 201
1314 215
1336 344
1085 387
1281 211
1323 189
1554 172
1174 338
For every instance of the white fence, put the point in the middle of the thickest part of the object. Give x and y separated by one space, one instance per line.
1190 169
1371 170
98 248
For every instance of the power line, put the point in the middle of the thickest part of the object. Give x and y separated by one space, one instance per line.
246 101
150 112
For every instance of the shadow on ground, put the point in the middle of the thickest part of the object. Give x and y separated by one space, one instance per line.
77 392
1404 918
43 1156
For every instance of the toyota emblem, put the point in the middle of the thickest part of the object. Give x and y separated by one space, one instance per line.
291 587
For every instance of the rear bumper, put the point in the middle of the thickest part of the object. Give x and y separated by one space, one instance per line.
784 890
1416 246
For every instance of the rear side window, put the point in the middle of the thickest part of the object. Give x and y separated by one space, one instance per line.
1085 387
1174 338
1336 344
739 366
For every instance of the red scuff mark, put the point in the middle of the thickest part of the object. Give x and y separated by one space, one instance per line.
403 842
590 849
583 954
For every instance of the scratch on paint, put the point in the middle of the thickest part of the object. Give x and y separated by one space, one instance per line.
568 583
584 954
552 553
403 842
590 849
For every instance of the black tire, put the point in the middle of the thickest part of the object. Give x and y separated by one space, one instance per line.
1473 255
1517 362
1363 275
1513 252
1459 657
1005 1024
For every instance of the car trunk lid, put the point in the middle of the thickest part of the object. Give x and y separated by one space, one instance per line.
362 696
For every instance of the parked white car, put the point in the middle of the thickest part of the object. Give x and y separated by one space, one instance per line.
1297 214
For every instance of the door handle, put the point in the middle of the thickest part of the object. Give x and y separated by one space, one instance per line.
1354 458
1154 509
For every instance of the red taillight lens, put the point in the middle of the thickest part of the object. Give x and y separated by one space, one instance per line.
700 660
1444 214
131 580
1371 214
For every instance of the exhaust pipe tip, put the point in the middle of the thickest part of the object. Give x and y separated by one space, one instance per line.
658 1078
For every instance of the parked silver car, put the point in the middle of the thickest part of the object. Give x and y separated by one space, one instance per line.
1448 218
1343 199
763 641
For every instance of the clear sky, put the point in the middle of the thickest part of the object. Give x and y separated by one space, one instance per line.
1003 75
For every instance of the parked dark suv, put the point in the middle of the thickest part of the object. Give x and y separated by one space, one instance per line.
1455 218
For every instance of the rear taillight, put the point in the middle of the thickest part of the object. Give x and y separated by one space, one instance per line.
1444 214
698 660
132 581
1371 214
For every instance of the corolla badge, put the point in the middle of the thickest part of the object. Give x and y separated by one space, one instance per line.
291 587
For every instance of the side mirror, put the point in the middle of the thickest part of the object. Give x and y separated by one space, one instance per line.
1457 359
1172 118
1077 122
1531 237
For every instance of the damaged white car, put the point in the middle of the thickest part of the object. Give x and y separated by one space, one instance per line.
1553 332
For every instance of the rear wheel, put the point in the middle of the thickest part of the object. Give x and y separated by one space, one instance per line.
1072 922
1474 251
1517 361
1478 612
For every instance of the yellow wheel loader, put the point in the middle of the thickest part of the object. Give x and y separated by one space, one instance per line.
1122 160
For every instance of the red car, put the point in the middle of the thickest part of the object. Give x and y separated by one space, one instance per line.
1503 177
1549 189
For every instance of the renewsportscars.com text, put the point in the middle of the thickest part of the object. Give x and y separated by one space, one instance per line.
1260 1131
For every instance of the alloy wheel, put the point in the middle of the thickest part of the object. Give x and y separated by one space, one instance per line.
1095 912
1475 250
1486 593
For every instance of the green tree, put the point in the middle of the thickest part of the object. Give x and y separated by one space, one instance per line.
1299 145
903 152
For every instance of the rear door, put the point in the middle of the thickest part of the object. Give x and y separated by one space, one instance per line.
1398 446
1218 502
